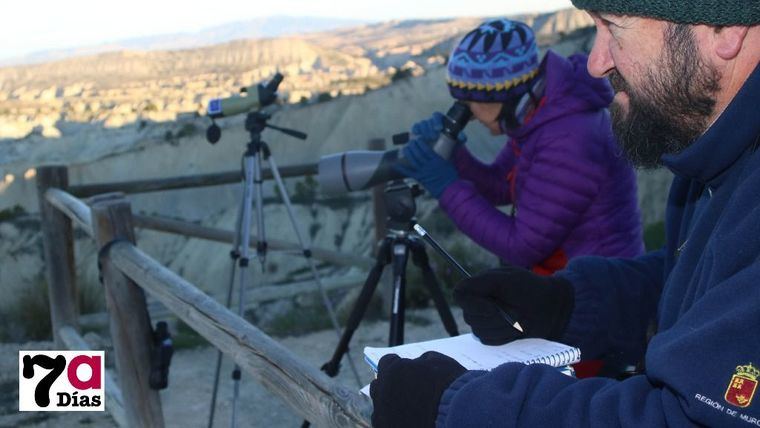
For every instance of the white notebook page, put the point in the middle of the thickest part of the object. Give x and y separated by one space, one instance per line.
473 355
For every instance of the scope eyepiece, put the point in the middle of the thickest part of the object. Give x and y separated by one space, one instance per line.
275 82
456 119
268 92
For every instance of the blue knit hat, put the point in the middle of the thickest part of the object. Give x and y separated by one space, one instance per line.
493 63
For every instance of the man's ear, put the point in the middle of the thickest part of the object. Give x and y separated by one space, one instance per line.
728 41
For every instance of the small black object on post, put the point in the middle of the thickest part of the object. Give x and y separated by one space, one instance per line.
161 356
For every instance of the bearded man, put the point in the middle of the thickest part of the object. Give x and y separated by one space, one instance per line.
687 86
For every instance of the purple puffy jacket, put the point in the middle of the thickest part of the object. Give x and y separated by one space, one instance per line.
573 192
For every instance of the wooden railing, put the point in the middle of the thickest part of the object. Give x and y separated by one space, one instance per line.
184 182
127 273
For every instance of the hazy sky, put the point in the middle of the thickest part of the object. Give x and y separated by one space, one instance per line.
28 26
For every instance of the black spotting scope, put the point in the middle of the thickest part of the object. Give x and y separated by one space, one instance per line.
362 169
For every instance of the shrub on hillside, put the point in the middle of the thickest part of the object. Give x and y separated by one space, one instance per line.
401 73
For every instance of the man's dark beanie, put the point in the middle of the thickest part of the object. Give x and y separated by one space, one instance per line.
710 12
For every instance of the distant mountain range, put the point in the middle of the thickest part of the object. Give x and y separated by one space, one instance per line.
145 79
265 27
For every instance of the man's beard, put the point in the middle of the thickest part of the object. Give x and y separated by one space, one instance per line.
671 108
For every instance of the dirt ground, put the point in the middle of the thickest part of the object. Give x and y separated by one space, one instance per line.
186 402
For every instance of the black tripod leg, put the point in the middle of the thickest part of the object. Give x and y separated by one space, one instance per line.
357 313
400 250
421 260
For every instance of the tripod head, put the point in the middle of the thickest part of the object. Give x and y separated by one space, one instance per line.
255 123
399 201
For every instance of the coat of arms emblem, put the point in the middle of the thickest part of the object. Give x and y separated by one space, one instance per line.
742 387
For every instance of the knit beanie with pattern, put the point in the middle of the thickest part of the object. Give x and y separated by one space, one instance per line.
493 63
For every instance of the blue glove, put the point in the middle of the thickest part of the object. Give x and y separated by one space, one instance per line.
421 163
430 129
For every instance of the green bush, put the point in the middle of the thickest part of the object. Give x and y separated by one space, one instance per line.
299 321
91 297
324 96
314 228
305 190
187 338
29 317
9 214
400 74
187 130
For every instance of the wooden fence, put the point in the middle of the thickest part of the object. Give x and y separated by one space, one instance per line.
127 273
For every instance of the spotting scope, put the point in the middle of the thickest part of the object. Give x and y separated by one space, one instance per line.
256 96
363 169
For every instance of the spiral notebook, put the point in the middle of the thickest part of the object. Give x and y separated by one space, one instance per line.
473 355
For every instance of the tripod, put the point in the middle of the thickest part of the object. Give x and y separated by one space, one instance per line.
255 124
395 249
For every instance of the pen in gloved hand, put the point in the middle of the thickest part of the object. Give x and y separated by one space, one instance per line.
429 239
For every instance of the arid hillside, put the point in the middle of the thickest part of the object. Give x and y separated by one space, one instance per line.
124 87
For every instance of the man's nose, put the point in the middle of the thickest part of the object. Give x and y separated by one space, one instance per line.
600 62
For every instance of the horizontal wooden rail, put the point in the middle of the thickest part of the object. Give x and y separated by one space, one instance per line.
74 208
308 391
253 297
114 401
257 295
79 213
184 182
227 236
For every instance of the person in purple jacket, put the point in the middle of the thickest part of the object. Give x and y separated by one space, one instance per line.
572 192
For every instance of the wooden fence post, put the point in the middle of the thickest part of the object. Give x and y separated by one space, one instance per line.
58 244
128 317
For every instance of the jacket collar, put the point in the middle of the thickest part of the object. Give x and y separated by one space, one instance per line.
568 89
735 130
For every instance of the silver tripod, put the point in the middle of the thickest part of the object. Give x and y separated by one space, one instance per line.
252 182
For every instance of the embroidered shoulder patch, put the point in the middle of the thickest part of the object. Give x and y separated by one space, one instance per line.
743 385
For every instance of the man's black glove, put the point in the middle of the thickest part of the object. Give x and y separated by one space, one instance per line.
407 392
541 304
